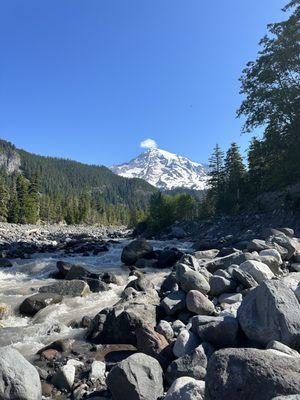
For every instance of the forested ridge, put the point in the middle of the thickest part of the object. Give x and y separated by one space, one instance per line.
55 190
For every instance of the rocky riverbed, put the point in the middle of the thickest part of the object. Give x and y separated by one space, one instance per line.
110 318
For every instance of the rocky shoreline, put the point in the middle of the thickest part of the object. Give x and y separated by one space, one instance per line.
208 324
21 241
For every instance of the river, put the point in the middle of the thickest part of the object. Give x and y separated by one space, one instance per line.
28 335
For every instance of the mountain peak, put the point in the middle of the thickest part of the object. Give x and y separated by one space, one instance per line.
164 170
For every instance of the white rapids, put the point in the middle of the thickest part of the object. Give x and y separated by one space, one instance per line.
28 335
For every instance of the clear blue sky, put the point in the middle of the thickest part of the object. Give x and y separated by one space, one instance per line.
89 79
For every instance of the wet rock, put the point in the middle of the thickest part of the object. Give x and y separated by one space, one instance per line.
137 377
219 331
64 377
135 250
261 375
186 342
63 268
271 312
61 345
186 388
18 379
109 277
67 288
96 285
5 263
37 302
168 258
258 270
174 303
78 272
142 283
198 303
189 279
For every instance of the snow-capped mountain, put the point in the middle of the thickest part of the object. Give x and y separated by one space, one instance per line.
165 170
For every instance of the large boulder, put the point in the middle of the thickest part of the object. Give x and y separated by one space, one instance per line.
118 324
37 302
138 377
235 374
67 288
258 270
189 279
135 250
219 331
271 312
186 388
198 303
19 379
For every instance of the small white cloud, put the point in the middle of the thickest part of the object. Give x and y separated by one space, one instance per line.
148 144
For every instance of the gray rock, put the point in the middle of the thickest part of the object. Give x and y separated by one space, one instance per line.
198 303
219 331
177 326
186 388
258 270
219 284
142 283
173 302
224 262
186 342
135 250
249 374
67 288
230 298
206 254
278 346
117 325
244 278
273 263
291 397
97 372
257 245
273 253
290 244
189 279
64 377
193 365
137 377
271 312
165 328
19 379
37 302
78 272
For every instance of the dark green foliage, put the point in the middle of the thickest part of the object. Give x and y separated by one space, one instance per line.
164 210
271 86
55 190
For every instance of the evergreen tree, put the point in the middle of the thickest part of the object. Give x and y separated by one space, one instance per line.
217 178
23 199
3 199
271 86
235 173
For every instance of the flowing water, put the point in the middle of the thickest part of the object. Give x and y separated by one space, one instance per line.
53 322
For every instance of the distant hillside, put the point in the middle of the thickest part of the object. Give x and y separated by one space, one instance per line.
66 186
